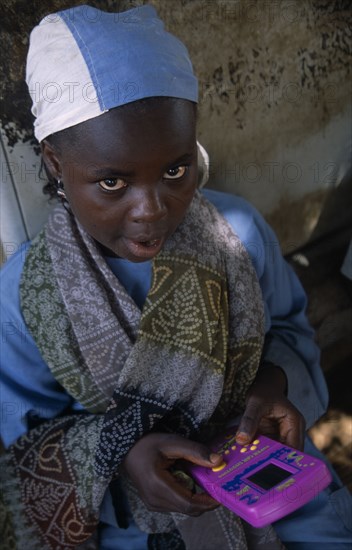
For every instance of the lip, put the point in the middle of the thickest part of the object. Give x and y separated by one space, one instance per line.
144 251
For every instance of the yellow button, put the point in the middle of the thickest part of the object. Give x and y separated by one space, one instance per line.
220 467
243 450
253 447
256 441
234 447
227 452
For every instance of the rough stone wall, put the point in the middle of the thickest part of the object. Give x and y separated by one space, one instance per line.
274 112
275 105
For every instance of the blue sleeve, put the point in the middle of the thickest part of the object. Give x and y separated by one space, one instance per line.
289 341
27 387
28 390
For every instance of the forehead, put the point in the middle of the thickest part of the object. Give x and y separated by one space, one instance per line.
148 128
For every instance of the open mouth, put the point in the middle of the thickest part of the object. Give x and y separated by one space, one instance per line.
149 244
144 250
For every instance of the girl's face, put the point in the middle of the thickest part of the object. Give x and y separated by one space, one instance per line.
131 175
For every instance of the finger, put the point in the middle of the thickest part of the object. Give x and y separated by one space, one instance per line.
181 448
249 424
166 494
292 430
290 424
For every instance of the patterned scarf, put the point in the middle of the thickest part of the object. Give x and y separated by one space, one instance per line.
183 365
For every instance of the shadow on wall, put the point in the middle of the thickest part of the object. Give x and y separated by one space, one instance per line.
337 206
316 215
318 265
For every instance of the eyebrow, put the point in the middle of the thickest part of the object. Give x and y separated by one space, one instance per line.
108 172
111 171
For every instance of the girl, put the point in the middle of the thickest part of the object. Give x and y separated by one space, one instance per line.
151 323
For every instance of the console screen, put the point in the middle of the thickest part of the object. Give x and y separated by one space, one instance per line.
269 476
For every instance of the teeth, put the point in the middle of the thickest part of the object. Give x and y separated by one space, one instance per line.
149 243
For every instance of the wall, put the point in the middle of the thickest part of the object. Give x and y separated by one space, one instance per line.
275 107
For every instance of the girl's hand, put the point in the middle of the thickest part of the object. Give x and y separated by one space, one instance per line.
148 465
269 412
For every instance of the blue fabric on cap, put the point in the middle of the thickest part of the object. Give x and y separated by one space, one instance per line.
82 62
130 56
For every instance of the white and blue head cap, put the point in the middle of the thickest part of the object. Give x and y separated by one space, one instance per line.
83 62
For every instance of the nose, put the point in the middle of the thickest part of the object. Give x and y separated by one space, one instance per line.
148 206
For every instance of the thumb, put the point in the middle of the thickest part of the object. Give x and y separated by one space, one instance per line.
194 452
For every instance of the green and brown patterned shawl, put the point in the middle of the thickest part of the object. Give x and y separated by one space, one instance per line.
183 365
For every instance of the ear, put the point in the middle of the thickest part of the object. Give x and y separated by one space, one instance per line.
51 159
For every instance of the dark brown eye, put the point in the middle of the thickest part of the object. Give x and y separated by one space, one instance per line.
112 184
175 173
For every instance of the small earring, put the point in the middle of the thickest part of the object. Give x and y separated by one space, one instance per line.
60 190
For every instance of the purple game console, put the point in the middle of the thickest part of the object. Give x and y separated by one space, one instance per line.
263 481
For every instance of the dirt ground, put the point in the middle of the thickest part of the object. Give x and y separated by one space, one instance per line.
330 312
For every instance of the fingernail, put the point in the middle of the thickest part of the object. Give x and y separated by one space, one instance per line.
241 436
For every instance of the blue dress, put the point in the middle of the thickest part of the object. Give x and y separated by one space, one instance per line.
27 387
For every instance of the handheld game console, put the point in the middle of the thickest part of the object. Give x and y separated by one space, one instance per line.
263 481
